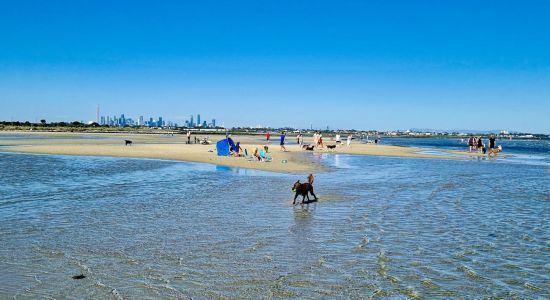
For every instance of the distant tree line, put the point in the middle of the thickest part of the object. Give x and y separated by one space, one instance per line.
43 123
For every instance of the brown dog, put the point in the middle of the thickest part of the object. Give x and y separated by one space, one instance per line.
303 189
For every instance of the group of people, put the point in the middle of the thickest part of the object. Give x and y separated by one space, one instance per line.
475 144
317 140
205 140
338 140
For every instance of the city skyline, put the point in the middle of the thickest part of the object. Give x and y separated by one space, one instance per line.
362 65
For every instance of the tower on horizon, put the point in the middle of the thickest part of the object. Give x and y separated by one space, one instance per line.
97 114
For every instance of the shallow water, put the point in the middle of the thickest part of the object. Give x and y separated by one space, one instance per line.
534 152
384 227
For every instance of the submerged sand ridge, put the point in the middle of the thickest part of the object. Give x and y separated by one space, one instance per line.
174 147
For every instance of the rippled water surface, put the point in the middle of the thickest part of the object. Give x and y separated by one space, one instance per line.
384 227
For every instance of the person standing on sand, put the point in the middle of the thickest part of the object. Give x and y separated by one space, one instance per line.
188 136
283 135
267 136
337 139
348 141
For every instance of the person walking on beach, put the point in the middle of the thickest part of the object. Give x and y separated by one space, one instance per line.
320 140
315 138
337 139
267 136
188 136
348 141
283 135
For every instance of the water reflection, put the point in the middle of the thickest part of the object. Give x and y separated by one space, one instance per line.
390 227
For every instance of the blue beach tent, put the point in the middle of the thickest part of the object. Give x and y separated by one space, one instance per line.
222 147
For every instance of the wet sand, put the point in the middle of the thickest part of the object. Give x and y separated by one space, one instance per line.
174 147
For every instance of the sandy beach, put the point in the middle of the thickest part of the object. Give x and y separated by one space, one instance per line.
174 147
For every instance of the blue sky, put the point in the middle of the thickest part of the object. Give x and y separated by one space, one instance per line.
345 64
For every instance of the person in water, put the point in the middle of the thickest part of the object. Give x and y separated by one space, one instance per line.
479 144
492 142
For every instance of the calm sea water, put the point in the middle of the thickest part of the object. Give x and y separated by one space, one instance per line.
383 228
536 152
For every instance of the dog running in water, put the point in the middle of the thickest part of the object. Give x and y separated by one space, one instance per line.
493 152
308 147
127 142
331 147
304 189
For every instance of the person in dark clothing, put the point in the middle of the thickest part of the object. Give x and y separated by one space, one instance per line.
491 142
479 144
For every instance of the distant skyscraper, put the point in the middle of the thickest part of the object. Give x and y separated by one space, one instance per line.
97 114
191 124
102 121
160 122
214 123
140 121
198 119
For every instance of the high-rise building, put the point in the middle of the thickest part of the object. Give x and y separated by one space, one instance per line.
102 121
191 124
140 121
198 119
204 124
214 123
97 114
160 122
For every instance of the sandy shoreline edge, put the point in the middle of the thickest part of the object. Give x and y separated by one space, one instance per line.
174 147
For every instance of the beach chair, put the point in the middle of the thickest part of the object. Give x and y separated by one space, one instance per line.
248 156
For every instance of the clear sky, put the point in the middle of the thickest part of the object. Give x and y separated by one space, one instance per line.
346 64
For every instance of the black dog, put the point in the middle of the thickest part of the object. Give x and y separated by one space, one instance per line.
302 189
308 147
331 147
128 142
